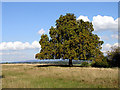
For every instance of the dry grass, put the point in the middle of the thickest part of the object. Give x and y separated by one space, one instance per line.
30 76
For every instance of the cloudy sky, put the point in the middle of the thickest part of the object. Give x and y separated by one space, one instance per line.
24 23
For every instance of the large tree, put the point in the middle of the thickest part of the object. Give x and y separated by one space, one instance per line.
70 39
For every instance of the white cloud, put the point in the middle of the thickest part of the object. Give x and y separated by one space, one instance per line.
41 31
101 23
19 45
116 44
107 47
36 44
104 23
8 53
114 36
84 18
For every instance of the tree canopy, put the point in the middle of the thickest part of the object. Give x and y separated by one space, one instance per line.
70 39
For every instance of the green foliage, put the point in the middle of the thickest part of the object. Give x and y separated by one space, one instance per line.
113 57
100 63
70 39
6 63
111 60
84 64
3 76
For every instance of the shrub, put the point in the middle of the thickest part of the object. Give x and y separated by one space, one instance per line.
2 76
6 63
114 57
100 63
84 64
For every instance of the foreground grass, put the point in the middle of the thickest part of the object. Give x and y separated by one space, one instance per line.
30 76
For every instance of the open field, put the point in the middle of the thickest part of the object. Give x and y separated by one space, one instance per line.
45 76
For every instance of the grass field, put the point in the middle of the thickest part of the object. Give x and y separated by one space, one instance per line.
34 76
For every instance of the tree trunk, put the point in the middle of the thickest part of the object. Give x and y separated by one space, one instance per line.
70 62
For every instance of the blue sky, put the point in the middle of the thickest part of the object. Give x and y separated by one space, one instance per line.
21 22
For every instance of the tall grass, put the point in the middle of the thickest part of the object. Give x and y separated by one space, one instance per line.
31 76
